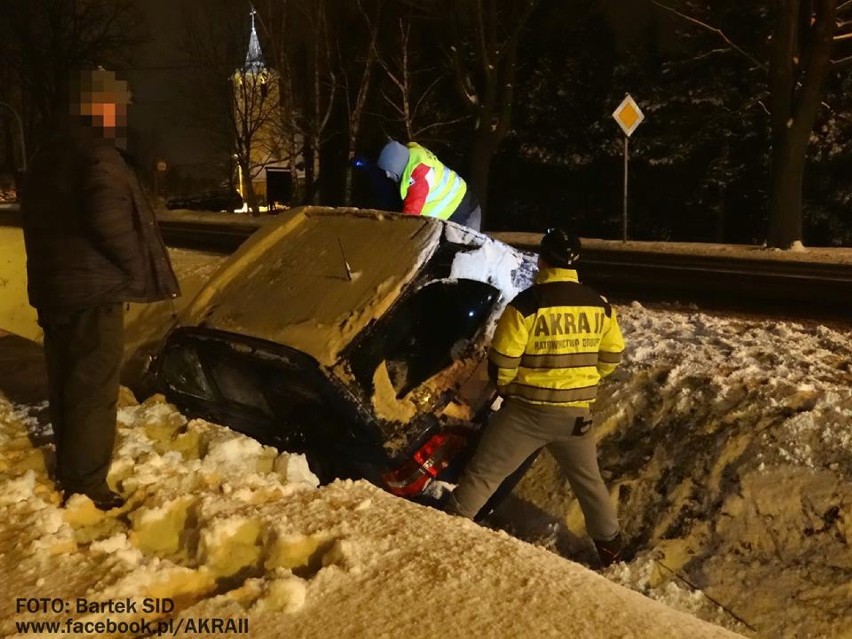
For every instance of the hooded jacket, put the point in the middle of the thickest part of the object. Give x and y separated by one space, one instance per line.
555 341
428 187
90 233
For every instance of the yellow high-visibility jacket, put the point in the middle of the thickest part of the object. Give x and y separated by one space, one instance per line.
428 187
555 341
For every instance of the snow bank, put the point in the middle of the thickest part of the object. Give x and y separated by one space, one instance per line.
226 529
727 445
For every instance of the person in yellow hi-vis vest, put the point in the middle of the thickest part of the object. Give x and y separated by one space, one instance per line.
553 344
428 187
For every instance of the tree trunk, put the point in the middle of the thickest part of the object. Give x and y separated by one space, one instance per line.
785 197
316 195
350 170
492 78
799 64
248 189
480 168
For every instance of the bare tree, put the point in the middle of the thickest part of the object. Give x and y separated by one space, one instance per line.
484 56
253 112
412 86
806 37
45 40
357 76
274 19
800 61
320 89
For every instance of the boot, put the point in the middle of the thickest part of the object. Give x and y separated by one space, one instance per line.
106 500
610 551
103 498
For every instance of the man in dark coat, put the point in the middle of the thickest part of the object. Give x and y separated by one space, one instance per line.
92 245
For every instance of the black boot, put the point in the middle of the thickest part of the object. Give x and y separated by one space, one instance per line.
103 498
610 551
106 500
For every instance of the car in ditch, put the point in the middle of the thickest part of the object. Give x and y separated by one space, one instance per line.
357 337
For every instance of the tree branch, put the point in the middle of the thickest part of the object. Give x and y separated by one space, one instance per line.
819 62
482 51
715 30
842 63
459 77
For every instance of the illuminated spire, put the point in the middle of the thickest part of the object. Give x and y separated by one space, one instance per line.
254 58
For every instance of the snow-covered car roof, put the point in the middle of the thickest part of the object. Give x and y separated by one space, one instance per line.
317 277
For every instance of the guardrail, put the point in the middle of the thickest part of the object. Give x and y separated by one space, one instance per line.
760 283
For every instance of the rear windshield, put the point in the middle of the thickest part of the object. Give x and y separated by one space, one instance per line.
418 337
228 378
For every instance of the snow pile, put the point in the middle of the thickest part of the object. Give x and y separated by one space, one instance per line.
727 445
491 262
226 529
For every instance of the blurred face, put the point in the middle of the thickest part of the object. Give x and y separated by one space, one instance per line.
105 114
102 102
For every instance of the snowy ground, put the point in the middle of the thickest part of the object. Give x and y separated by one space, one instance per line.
728 445
234 533
726 441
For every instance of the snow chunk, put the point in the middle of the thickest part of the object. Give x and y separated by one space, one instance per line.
18 490
287 595
294 469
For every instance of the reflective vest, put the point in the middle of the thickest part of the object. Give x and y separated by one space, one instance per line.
446 188
555 341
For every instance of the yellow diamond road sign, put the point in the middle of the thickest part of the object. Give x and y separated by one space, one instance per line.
628 115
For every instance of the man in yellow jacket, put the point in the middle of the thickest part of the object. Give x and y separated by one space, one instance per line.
428 187
553 344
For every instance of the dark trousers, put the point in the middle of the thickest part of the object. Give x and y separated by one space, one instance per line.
468 212
83 351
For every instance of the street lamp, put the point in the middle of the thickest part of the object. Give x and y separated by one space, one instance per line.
23 166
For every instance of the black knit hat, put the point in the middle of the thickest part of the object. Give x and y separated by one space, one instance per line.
560 248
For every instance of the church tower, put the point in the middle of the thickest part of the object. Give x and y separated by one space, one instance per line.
256 113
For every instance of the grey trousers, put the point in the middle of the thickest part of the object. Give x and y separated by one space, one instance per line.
513 434
83 352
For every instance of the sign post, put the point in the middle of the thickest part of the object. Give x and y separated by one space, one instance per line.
629 116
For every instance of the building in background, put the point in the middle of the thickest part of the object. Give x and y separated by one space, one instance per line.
264 172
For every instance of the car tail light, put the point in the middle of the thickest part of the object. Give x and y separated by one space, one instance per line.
427 463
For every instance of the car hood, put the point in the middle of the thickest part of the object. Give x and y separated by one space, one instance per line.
314 279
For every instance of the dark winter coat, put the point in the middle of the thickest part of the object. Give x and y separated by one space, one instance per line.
90 233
